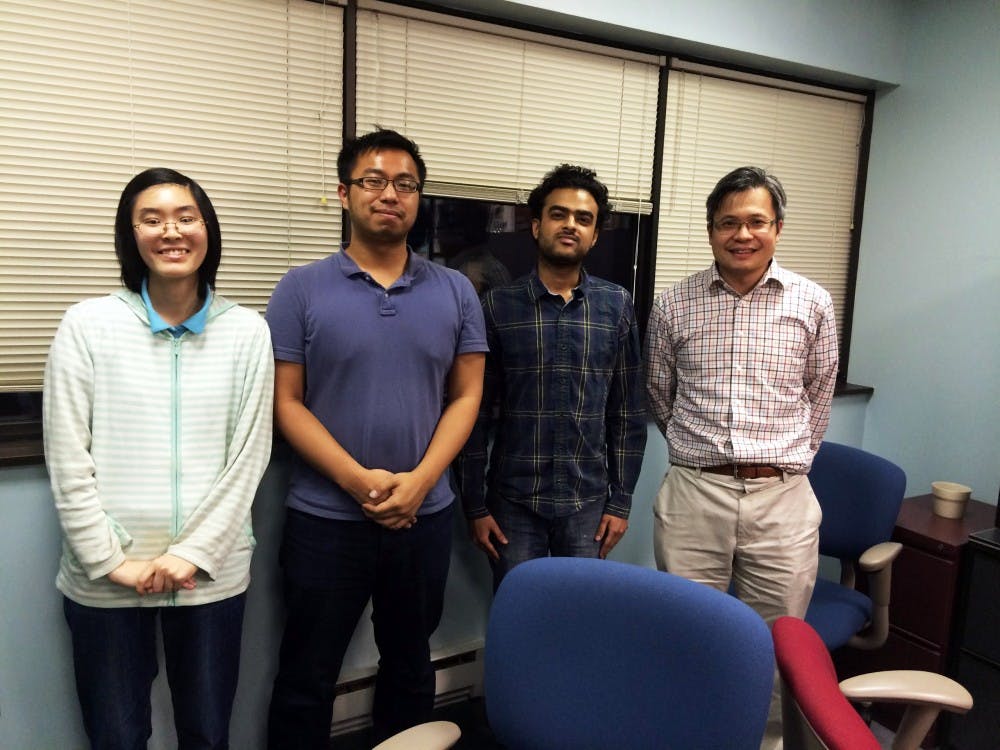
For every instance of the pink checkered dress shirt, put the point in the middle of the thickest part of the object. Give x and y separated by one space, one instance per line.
746 380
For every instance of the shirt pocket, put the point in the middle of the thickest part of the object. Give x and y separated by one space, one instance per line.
704 350
597 345
780 353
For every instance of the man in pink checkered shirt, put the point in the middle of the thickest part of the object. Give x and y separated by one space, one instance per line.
741 363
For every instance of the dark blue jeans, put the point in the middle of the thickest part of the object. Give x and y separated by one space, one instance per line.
530 536
331 569
114 658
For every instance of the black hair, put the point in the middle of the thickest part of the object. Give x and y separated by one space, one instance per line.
746 178
133 269
570 176
378 140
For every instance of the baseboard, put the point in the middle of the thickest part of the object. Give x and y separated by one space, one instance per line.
458 675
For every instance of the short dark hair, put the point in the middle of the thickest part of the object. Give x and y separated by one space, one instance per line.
746 178
569 176
133 269
378 140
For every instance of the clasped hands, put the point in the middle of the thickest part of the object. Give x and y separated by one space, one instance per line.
164 574
391 500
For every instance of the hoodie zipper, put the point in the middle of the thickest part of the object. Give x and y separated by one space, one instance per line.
175 442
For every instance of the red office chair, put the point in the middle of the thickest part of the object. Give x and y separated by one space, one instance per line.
816 714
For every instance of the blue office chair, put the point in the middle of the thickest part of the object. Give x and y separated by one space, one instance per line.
860 494
584 653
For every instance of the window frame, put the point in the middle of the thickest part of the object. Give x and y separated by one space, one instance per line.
762 77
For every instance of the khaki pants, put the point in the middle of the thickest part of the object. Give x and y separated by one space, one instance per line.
761 535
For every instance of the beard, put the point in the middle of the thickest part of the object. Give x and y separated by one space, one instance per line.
550 252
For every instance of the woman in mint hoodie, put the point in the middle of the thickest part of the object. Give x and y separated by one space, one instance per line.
157 415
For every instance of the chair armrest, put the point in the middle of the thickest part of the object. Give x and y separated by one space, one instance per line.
908 686
877 557
433 735
877 562
924 694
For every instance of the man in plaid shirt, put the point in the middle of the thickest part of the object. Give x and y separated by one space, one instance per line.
741 362
563 374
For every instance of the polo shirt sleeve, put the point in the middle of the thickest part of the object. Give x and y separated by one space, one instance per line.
286 318
472 337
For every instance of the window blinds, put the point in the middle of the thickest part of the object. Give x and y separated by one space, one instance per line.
492 113
243 96
810 141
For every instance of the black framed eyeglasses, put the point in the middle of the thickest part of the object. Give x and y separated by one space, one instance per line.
378 184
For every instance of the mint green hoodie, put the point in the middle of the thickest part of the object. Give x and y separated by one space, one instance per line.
156 444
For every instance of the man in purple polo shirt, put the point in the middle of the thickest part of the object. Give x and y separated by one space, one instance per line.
378 377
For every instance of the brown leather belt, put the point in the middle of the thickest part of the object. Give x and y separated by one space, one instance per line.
744 471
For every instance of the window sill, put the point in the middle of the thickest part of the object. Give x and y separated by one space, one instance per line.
21 442
852 389
24 447
21 452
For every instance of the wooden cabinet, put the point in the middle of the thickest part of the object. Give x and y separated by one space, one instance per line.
925 594
925 576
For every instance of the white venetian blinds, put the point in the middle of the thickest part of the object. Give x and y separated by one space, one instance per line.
244 96
810 139
493 112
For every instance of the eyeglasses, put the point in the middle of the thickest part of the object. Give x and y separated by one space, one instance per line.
184 225
754 226
378 184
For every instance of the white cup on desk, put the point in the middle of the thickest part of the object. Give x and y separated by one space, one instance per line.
950 499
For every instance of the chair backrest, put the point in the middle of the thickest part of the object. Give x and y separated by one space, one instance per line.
817 709
860 494
585 653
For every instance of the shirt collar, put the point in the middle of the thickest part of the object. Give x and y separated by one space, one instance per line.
351 269
538 290
195 324
774 273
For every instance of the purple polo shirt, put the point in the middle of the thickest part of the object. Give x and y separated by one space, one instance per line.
377 362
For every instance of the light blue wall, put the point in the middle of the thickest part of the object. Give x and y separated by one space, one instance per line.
927 314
